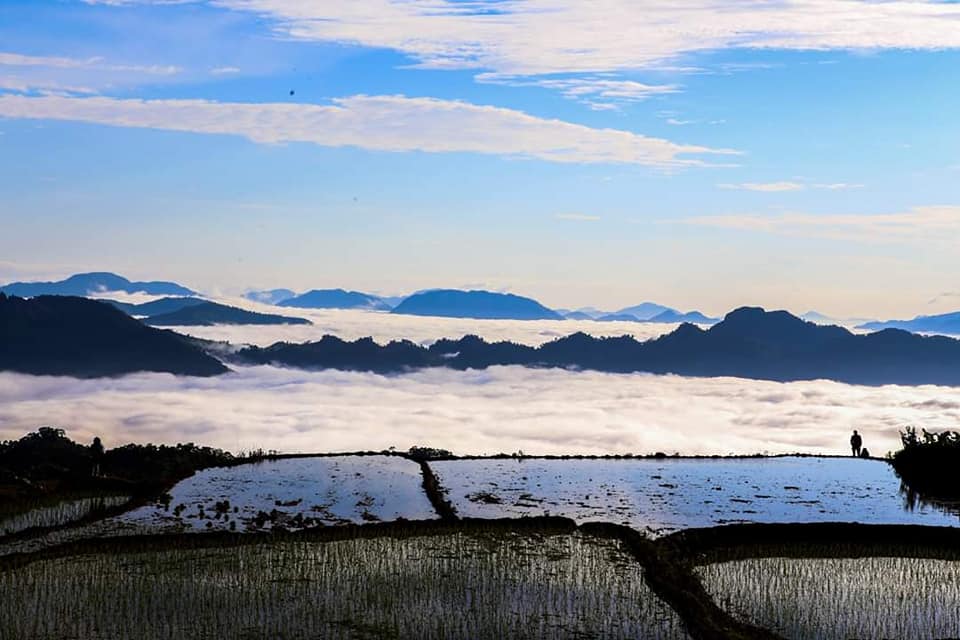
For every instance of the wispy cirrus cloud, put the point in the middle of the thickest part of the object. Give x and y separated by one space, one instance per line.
577 217
58 74
383 123
599 93
58 62
765 187
779 187
941 223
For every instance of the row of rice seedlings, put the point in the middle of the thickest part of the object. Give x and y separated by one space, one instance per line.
61 513
868 597
445 586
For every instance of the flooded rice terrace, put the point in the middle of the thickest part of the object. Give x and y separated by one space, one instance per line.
656 496
662 496
294 493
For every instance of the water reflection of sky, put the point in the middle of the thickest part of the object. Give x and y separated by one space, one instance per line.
329 490
667 495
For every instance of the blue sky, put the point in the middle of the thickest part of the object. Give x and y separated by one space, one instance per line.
788 154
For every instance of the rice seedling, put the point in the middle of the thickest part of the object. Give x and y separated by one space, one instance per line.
59 513
450 585
866 597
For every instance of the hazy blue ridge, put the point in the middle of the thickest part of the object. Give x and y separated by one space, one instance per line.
454 303
336 299
84 284
943 323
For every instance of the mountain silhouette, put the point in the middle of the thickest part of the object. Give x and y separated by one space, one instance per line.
948 323
819 318
79 337
154 307
335 299
675 317
271 296
331 352
748 343
84 284
670 316
211 313
645 310
577 315
618 317
454 303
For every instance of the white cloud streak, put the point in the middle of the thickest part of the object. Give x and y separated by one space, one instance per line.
500 409
577 217
779 187
765 187
596 92
63 75
941 223
20 60
383 123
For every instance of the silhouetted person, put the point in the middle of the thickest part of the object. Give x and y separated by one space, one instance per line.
96 452
855 443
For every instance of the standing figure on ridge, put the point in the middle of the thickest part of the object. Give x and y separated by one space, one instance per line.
855 443
96 452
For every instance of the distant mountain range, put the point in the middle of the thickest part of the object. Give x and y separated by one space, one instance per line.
748 343
74 336
335 299
617 317
272 296
85 284
211 313
454 303
669 316
576 315
646 310
948 323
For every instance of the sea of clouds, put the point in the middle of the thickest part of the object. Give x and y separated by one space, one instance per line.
501 409
539 411
384 327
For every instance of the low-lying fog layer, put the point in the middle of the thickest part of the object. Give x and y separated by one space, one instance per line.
474 412
384 327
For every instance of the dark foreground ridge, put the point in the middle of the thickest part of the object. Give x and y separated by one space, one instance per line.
748 343
71 336
211 313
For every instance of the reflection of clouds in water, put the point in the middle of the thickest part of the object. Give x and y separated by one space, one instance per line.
383 327
499 409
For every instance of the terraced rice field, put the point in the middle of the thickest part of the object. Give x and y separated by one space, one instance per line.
456 585
58 514
868 597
